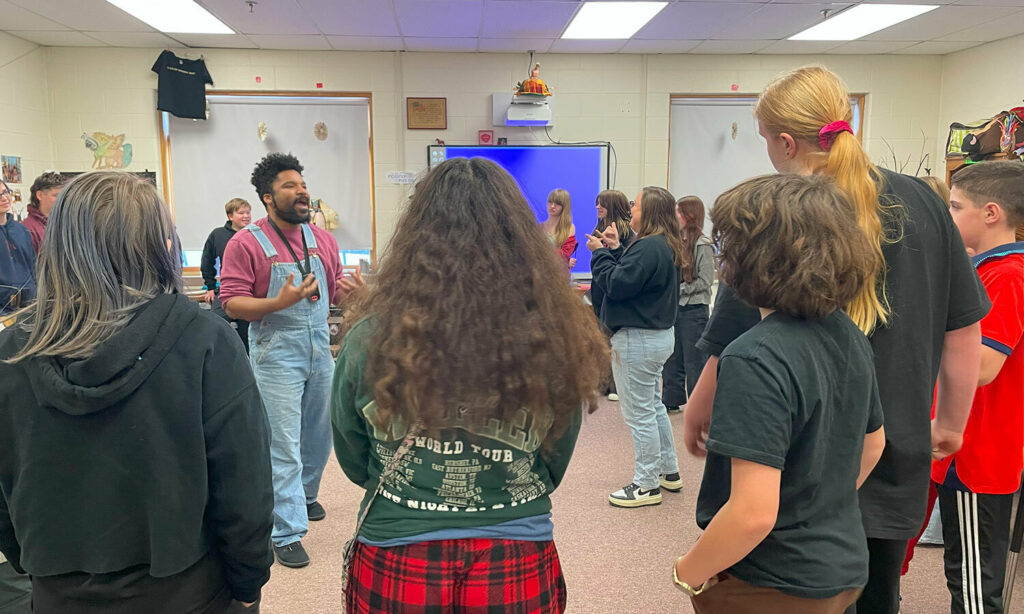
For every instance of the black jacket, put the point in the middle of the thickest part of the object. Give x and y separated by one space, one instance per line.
640 284
152 452
212 250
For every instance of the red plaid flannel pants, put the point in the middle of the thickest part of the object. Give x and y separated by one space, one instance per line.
467 576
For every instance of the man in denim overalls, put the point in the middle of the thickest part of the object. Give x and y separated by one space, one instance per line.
281 274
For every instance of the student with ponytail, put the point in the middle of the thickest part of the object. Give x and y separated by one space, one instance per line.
921 313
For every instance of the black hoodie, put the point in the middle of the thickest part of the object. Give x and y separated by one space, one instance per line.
154 451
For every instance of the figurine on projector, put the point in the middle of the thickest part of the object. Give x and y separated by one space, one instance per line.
533 86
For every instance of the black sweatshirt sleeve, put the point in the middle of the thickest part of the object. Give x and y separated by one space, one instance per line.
241 505
623 274
208 264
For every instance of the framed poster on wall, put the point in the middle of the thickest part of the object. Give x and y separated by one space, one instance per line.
426 113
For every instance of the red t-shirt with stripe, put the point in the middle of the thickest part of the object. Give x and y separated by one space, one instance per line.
992 456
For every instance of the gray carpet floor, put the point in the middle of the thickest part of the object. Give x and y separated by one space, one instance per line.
615 560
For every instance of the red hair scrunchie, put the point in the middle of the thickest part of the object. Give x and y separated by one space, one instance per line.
828 134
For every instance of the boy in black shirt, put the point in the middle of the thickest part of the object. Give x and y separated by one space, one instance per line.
799 428
239 216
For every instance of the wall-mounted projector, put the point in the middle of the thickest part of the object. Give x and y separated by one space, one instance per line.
509 109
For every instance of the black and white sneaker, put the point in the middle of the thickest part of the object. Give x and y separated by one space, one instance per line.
671 482
632 495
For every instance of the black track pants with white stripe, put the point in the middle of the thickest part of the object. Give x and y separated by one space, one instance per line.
976 532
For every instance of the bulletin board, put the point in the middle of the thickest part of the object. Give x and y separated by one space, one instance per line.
207 163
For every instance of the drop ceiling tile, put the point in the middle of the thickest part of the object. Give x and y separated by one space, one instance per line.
562 45
777 21
526 19
14 17
86 15
352 17
866 47
439 18
800 47
274 18
1011 25
696 20
731 47
413 43
940 22
935 48
223 41
63 38
290 41
134 39
366 43
659 46
515 45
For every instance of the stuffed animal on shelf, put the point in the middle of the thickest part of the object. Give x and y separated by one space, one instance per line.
534 85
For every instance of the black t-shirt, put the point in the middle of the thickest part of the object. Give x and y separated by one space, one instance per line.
181 89
932 288
800 396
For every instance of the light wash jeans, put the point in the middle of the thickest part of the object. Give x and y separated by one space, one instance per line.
290 355
638 356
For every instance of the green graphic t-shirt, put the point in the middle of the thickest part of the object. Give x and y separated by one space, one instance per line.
464 476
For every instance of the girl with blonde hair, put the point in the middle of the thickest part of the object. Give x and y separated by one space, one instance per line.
559 227
921 312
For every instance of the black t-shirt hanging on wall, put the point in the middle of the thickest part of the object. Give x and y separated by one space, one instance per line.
181 89
932 288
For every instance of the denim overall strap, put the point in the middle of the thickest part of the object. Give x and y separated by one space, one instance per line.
263 240
310 239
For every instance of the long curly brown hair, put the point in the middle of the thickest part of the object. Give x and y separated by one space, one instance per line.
474 312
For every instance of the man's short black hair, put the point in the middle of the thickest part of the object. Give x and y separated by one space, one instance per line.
266 171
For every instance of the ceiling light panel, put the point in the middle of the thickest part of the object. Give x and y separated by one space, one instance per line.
861 20
174 16
611 20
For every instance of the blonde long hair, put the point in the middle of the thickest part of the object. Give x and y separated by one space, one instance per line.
564 226
800 103
104 256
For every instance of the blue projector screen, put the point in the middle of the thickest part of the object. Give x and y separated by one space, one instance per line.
582 170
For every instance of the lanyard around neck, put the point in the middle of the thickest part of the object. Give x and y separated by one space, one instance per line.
304 270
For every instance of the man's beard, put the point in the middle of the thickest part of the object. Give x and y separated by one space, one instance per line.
290 215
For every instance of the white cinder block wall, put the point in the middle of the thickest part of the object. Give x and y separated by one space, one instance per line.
25 129
621 98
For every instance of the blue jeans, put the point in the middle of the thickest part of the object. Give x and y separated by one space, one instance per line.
638 355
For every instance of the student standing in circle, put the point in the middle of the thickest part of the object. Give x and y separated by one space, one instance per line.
922 314
695 279
559 227
797 425
471 357
641 296
134 449
612 208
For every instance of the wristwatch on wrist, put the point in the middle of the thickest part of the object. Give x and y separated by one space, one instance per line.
683 586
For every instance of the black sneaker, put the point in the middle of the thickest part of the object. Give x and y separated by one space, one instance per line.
671 482
315 511
632 495
292 555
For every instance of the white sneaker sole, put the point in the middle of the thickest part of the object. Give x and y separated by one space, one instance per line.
655 500
671 486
